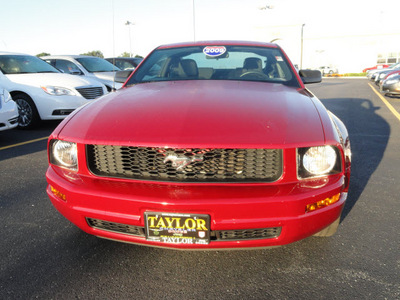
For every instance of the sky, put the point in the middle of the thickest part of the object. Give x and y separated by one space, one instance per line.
335 32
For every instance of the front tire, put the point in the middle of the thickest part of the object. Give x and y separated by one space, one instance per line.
28 114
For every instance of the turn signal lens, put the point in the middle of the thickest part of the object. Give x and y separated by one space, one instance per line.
58 194
323 203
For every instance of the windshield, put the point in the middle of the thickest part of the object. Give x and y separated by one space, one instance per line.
21 64
244 63
96 64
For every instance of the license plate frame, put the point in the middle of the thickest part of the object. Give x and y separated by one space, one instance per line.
177 228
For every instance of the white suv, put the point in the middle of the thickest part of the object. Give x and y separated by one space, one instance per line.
41 91
328 70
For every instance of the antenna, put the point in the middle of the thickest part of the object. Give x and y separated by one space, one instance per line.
194 22
113 34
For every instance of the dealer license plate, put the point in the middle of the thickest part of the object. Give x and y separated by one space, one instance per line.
177 228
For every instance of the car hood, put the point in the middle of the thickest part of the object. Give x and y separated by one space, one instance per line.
105 75
53 79
107 78
199 114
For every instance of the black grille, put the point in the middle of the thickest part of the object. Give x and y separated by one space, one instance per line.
13 121
221 235
116 227
91 93
202 165
248 234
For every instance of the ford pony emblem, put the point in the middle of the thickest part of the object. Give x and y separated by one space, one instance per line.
179 162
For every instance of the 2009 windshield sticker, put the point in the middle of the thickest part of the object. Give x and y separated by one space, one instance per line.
214 51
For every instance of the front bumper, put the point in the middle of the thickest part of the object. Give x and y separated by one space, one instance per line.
58 107
8 116
390 89
85 200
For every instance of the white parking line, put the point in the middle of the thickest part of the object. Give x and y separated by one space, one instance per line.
391 108
24 143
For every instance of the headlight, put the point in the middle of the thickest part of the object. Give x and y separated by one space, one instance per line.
317 161
382 75
64 154
7 96
57 91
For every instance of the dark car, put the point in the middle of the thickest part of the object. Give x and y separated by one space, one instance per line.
374 75
209 145
389 75
125 63
391 86
381 75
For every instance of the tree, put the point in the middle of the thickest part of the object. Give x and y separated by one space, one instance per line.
96 53
43 54
125 54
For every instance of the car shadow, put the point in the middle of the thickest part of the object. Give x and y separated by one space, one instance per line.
395 97
369 136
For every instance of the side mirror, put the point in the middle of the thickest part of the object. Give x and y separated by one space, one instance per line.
75 72
310 76
122 76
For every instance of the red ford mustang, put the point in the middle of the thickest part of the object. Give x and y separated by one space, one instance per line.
209 145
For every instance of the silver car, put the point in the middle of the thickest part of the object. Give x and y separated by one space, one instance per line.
83 65
391 86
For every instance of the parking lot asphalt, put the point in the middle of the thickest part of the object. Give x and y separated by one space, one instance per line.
44 256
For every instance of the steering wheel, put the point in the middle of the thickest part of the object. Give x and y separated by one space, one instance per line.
254 75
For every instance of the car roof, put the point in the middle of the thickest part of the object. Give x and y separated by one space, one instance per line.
67 56
219 43
13 53
124 58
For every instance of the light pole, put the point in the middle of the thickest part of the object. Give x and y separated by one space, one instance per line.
301 50
128 23
194 22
